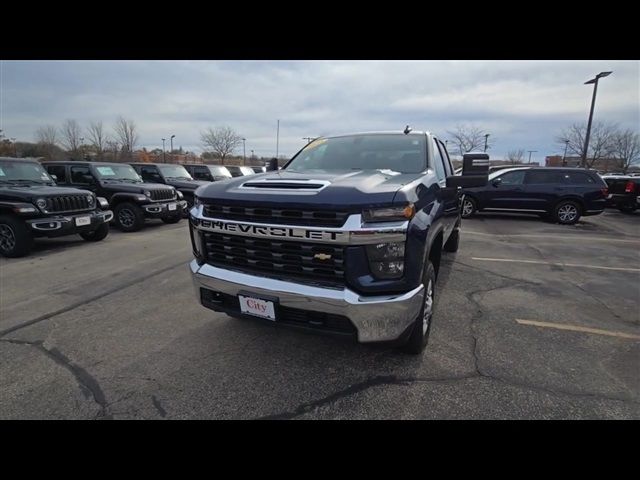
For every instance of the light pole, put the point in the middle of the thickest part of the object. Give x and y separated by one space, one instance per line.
278 139
252 154
593 104
164 156
171 154
244 151
530 152
486 138
564 157
81 140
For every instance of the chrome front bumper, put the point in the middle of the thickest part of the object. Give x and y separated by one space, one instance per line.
377 318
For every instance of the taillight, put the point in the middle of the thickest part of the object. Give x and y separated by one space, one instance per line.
605 192
629 187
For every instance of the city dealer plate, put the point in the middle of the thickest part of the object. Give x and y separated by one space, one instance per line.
80 221
257 307
173 206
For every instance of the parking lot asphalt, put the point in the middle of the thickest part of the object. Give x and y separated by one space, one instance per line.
532 320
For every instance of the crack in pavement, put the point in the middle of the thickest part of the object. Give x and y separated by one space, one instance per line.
158 405
506 277
89 386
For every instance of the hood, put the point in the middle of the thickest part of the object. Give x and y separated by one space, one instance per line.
132 187
32 192
186 184
344 189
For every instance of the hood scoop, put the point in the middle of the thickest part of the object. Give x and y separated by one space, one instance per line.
280 185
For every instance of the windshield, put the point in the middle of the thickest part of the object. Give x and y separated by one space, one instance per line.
397 153
218 171
247 170
117 172
28 172
175 171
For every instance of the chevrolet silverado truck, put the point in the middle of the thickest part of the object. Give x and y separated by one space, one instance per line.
31 205
346 238
132 200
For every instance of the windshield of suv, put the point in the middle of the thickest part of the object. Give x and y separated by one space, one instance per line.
175 171
117 172
398 153
23 172
219 171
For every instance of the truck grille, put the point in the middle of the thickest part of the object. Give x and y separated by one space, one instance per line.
321 321
282 258
162 194
68 203
314 218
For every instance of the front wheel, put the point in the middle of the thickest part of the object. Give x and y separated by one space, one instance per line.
128 217
96 235
15 238
567 212
422 325
469 207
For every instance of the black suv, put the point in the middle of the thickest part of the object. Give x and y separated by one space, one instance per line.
239 171
624 192
564 194
208 173
131 199
31 205
170 174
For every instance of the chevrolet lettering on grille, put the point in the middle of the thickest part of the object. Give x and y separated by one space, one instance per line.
273 231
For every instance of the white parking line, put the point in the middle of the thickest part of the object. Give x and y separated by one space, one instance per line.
552 236
541 262
576 328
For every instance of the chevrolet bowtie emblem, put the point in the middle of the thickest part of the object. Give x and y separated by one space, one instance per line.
322 256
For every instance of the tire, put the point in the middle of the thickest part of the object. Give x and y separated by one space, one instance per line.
172 218
98 234
15 238
627 208
128 217
566 212
469 207
453 243
419 337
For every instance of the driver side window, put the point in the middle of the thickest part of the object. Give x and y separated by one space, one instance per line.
512 178
149 174
80 175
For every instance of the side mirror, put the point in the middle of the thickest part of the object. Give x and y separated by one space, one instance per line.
273 165
55 177
475 164
496 181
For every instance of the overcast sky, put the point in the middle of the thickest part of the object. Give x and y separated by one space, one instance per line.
522 104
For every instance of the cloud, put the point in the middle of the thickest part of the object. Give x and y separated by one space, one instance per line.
523 104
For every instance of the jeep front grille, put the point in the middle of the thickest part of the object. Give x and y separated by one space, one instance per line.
162 194
289 216
278 257
68 203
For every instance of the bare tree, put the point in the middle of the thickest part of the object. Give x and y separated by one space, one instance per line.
98 138
515 156
112 147
221 140
47 137
601 141
127 136
626 148
71 135
468 138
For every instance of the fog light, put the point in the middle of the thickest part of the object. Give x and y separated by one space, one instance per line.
386 260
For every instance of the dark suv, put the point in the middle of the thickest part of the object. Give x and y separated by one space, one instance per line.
31 205
624 192
170 174
239 171
208 173
131 200
564 194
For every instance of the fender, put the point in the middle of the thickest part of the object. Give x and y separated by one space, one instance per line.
127 197
11 206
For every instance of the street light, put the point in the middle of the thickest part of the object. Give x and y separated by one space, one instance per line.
486 137
81 156
564 157
164 156
530 152
244 151
593 104
172 137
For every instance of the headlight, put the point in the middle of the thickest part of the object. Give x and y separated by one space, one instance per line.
386 260
389 214
147 193
90 200
41 203
104 204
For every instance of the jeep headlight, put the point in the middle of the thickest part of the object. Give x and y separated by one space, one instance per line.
180 195
386 260
389 214
41 203
90 200
147 193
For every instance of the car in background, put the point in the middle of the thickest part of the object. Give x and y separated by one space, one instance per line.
624 192
208 173
238 171
259 169
562 194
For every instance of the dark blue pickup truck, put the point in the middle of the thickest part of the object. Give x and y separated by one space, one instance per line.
346 238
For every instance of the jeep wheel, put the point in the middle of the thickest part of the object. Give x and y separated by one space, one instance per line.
172 218
453 242
469 207
128 217
98 234
422 326
15 238
567 212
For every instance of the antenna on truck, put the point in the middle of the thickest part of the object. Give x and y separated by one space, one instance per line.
407 129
